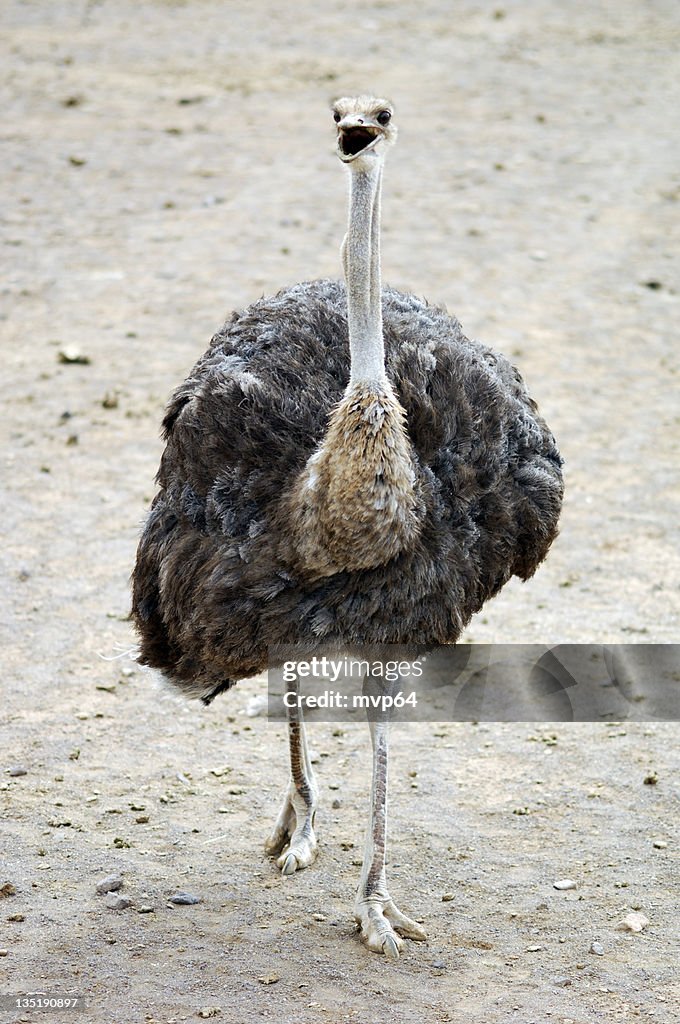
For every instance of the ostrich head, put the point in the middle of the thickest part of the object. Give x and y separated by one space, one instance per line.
365 127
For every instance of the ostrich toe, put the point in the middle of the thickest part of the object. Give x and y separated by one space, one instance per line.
382 924
292 841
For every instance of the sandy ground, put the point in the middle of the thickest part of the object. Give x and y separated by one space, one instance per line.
164 163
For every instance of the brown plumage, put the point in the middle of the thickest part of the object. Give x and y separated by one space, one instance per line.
354 506
221 571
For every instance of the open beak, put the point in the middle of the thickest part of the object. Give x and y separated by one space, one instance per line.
355 139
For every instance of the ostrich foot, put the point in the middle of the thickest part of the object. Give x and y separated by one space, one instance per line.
382 925
293 837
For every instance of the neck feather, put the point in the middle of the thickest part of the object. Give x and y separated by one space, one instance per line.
362 272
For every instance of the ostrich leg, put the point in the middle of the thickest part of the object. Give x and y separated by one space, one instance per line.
380 921
293 838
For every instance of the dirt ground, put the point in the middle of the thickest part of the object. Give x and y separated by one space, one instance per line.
164 163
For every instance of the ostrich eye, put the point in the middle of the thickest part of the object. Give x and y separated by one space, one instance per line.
336 116
383 117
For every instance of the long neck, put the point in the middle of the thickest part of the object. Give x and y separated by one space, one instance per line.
362 273
358 501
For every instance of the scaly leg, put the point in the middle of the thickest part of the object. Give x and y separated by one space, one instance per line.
293 838
380 921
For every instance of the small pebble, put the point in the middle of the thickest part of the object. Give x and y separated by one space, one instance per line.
439 965
635 922
17 769
660 844
319 917
72 354
562 982
651 779
146 909
16 917
209 1011
269 979
597 948
7 889
4 952
534 949
116 902
184 899
564 883
258 706
448 896
109 884
338 803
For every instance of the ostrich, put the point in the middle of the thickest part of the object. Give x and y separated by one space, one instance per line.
341 466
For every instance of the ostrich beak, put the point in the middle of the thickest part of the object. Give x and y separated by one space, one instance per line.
356 136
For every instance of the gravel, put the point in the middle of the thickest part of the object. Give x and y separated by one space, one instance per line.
109 884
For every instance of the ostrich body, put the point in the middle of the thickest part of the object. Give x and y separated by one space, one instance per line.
342 466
